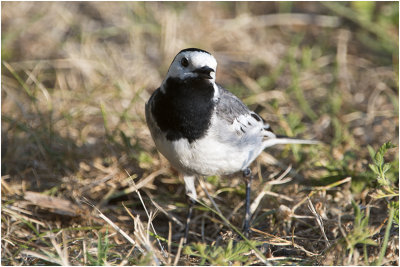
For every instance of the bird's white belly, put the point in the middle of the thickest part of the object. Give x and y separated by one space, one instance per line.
220 152
204 156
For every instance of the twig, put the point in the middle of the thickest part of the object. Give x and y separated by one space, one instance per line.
41 256
319 221
266 191
85 251
141 183
143 236
148 216
149 178
61 253
178 254
201 179
317 188
284 242
283 181
119 230
166 213
13 211
98 181
169 241
270 193
283 175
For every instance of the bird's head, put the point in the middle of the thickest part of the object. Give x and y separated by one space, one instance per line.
193 63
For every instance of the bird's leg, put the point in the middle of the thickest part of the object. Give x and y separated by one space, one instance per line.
188 219
192 196
248 178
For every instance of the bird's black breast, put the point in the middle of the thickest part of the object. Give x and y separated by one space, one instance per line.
184 110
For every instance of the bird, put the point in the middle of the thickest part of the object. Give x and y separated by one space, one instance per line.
203 129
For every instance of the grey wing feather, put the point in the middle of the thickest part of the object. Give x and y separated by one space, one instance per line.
229 106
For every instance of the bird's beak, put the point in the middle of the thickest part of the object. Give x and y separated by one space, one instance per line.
204 72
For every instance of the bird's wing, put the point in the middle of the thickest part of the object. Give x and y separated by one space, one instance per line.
248 124
229 106
232 110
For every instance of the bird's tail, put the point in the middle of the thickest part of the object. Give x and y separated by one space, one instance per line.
288 140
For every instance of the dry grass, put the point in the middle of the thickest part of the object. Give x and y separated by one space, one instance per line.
76 76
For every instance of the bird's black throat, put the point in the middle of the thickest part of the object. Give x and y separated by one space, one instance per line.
184 110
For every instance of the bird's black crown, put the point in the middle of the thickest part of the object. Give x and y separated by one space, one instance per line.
194 50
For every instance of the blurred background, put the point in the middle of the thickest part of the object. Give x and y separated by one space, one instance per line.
75 77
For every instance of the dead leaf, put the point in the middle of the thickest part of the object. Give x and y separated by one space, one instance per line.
54 204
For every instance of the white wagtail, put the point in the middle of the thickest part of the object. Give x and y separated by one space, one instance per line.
203 129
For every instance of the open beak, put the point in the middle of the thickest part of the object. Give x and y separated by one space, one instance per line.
204 72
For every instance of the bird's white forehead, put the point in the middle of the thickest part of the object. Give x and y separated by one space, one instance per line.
199 59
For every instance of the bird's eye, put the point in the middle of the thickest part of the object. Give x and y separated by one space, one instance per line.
184 62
